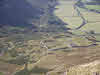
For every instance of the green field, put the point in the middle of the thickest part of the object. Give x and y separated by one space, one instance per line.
1 73
95 7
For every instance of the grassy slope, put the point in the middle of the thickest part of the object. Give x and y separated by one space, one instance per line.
67 13
58 60
96 7
93 21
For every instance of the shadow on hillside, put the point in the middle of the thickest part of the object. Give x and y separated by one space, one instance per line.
18 12
29 12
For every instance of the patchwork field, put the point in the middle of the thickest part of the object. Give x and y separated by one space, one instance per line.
73 52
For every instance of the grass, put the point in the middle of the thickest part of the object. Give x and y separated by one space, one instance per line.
65 12
87 69
95 7
60 57
23 72
1 73
93 21
35 71
91 26
52 61
56 61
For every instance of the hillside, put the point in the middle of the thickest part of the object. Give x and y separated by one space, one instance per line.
37 14
49 37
